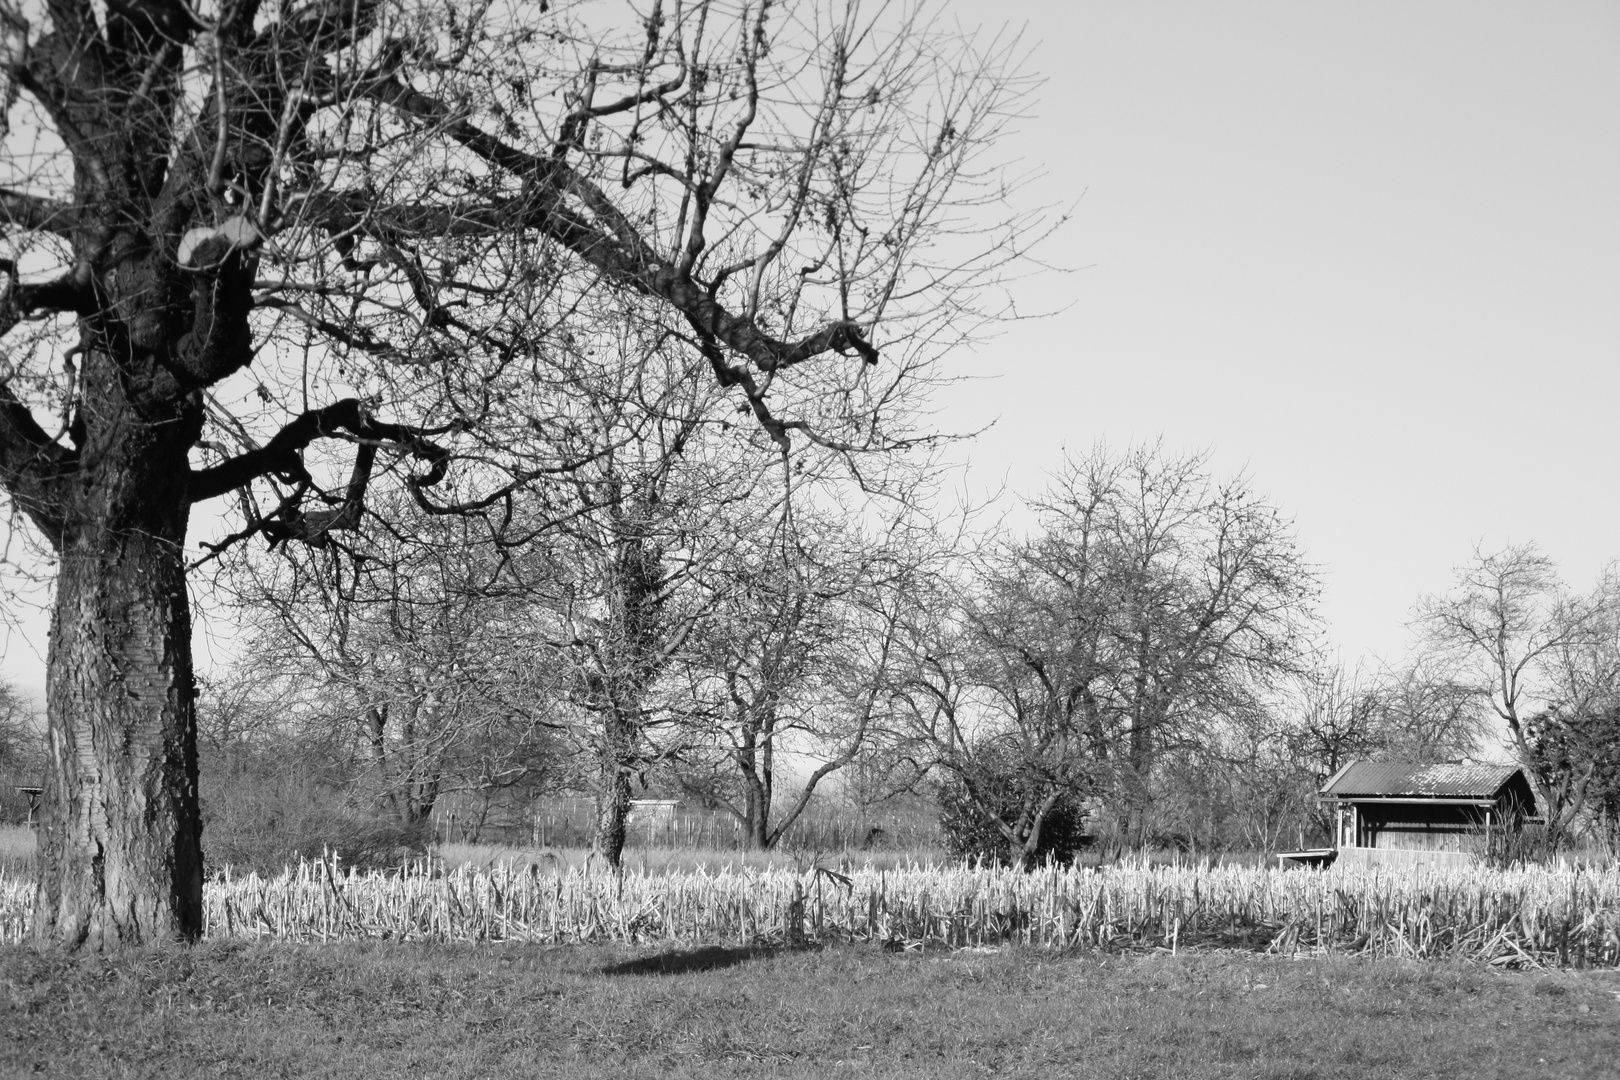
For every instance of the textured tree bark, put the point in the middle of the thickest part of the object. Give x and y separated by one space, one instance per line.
374 724
635 645
756 778
613 792
120 847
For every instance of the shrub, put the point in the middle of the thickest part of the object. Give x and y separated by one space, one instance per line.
262 813
971 834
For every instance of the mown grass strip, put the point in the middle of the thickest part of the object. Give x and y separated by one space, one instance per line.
348 1009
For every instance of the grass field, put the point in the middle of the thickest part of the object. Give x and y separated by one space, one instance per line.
460 1011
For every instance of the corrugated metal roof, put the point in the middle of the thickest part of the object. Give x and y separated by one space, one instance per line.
1402 778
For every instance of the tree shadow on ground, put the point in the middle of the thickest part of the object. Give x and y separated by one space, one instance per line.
679 961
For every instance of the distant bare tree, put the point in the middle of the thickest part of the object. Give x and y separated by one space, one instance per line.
21 747
1584 671
1152 609
1203 599
793 664
1426 713
1416 713
1330 715
1510 628
1337 717
619 587
999 695
422 653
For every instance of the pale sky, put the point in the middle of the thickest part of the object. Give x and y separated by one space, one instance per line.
1368 252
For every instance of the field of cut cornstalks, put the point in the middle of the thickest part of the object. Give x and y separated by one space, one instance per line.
1520 917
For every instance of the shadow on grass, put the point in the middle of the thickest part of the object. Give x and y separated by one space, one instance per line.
679 961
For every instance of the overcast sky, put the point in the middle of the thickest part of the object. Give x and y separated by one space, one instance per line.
1367 252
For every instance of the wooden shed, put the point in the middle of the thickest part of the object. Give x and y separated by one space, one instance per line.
652 818
1416 814
35 795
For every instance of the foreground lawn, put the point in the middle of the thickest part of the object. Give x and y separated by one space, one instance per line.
445 1011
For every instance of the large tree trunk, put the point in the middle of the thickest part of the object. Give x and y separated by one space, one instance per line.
120 848
638 649
374 727
617 760
612 817
754 763
1138 796
758 819
422 775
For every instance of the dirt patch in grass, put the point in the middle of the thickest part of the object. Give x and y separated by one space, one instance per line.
379 1010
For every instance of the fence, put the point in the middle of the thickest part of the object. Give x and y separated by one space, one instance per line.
571 823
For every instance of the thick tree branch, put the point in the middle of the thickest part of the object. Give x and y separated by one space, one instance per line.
220 340
282 455
55 71
70 292
21 211
605 239
32 465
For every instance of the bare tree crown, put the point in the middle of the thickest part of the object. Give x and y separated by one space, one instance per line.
349 202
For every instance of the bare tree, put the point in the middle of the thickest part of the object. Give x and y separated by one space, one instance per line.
1415 712
1336 718
422 652
622 590
1508 628
1330 715
1152 609
1203 597
22 751
792 665
1003 695
1584 670
1427 713
240 234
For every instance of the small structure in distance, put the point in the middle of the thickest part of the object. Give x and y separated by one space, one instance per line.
1407 814
34 794
654 816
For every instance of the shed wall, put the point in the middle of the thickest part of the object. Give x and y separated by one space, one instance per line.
1403 857
1422 828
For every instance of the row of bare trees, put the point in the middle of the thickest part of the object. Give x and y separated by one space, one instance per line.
684 621
321 260
1146 647
1149 649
